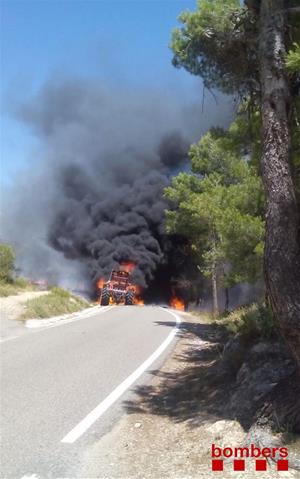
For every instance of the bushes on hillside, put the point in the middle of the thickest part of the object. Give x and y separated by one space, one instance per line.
254 321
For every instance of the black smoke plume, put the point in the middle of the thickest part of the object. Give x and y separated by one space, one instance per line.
93 199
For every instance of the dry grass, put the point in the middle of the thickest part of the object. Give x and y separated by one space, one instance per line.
252 321
57 302
18 285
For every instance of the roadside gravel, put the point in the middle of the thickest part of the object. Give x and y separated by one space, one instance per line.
11 308
164 433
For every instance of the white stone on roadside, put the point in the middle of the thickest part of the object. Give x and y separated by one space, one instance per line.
137 425
221 426
224 429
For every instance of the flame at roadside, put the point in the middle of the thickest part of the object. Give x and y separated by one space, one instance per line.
177 303
139 302
138 299
99 285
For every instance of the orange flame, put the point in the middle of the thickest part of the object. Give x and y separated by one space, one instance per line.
127 266
100 283
137 289
138 300
177 303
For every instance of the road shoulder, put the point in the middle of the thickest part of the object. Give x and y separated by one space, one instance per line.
170 425
12 308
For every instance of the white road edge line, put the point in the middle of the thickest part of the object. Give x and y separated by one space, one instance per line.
3 340
96 413
32 476
60 322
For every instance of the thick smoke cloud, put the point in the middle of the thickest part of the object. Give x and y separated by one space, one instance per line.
103 230
94 198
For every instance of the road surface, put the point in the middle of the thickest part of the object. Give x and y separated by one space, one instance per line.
61 385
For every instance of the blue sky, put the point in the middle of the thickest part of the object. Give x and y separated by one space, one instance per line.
122 42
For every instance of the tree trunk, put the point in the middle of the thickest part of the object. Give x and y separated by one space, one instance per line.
282 249
226 300
215 292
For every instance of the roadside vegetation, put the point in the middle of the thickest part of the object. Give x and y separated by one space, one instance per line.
251 322
241 199
238 207
219 207
15 286
57 302
9 283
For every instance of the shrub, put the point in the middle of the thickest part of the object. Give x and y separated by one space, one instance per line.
22 283
6 289
251 322
293 59
7 262
11 287
60 292
57 302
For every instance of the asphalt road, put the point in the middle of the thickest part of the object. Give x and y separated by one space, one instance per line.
51 380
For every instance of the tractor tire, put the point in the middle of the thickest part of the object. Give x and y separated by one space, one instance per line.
104 297
129 298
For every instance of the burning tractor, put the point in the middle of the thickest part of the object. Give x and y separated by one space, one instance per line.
117 289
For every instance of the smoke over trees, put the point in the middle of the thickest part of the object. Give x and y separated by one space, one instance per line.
95 197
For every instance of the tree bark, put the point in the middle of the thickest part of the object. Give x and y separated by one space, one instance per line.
282 249
226 300
215 292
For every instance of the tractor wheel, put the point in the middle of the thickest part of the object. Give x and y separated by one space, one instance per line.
104 297
129 298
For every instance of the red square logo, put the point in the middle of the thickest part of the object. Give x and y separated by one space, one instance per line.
217 465
260 465
239 465
282 465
